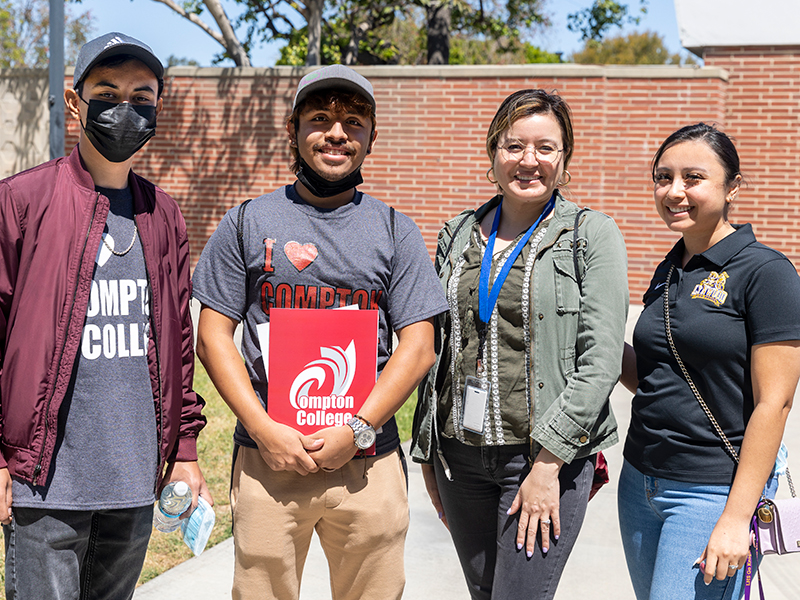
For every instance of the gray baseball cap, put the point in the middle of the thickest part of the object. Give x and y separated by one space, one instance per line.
336 77
113 44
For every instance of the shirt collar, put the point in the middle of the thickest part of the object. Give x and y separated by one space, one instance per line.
723 251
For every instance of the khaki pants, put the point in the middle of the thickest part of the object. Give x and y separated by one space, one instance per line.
361 522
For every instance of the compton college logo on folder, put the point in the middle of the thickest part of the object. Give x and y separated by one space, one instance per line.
322 365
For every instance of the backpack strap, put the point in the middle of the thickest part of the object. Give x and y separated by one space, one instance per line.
578 274
392 218
240 240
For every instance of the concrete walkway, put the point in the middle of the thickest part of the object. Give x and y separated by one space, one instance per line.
596 569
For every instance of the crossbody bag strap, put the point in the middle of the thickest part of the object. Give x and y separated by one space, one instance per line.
578 274
728 446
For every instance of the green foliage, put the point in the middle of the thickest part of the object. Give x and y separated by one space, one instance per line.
533 54
193 6
175 61
470 51
496 19
646 48
403 41
11 54
382 32
394 31
270 21
24 33
294 53
593 22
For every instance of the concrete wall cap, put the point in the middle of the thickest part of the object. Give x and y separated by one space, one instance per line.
471 71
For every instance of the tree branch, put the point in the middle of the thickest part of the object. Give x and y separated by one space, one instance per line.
229 41
232 44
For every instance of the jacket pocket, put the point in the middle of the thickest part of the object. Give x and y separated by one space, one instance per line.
566 285
567 356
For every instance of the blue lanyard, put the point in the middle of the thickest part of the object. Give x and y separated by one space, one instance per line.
486 298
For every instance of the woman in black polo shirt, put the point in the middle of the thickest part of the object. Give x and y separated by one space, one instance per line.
734 313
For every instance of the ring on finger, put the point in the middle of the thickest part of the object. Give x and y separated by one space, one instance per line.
733 567
545 521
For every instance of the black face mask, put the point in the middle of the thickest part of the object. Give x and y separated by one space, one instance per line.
321 187
118 131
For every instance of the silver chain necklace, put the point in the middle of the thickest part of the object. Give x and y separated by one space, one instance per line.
128 249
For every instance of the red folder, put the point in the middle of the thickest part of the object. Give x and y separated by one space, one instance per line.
322 365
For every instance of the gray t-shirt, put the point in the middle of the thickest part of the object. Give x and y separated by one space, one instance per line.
106 451
300 256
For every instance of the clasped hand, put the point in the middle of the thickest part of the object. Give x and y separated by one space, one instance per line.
284 448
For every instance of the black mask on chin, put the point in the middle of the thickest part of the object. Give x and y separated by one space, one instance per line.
118 131
321 187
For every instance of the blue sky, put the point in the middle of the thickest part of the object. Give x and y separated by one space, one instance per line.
171 35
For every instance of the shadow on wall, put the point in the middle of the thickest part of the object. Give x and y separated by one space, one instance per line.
24 120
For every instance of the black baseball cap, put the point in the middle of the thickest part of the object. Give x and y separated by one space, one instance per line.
336 77
113 44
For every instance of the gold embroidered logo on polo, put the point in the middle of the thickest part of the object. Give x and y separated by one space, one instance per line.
712 288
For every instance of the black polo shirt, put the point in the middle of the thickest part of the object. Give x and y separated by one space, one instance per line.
735 294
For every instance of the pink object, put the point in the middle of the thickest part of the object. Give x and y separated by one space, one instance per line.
782 535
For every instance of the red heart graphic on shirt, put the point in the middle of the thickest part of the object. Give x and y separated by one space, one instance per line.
300 255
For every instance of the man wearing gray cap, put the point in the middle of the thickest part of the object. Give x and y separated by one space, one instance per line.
318 243
96 360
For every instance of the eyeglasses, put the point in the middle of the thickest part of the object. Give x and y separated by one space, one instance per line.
517 151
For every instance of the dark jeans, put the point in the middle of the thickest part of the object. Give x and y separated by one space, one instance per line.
485 482
90 555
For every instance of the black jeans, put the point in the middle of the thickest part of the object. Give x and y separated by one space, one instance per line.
485 482
90 555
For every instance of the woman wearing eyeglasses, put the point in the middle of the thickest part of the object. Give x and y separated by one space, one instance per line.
511 418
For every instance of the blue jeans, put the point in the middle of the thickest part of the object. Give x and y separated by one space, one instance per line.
485 482
665 527
90 555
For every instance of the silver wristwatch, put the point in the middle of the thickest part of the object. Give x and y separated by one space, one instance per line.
363 432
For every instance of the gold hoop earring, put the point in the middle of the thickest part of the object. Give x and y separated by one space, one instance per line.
489 178
568 178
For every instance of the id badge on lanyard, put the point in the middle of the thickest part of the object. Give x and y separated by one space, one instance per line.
476 397
477 389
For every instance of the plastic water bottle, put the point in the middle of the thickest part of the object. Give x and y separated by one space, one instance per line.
176 497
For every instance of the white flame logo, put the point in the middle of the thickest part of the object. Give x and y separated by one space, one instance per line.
342 363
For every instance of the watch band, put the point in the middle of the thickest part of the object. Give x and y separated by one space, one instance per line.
360 418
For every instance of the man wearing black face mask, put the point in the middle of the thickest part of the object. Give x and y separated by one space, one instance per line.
96 360
319 243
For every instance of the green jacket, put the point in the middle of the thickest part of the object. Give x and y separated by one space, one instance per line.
577 331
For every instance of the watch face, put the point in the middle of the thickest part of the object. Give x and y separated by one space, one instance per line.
365 438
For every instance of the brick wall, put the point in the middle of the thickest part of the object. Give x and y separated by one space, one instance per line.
762 112
221 139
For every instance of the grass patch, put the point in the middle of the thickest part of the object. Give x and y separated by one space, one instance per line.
214 448
405 417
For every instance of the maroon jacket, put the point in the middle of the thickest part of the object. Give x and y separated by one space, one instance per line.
51 222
